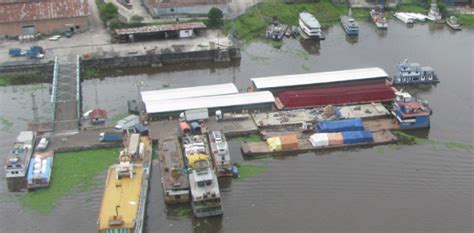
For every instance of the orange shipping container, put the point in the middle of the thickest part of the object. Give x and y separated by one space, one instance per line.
335 139
289 142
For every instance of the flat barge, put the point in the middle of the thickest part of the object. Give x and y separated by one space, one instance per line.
304 145
173 172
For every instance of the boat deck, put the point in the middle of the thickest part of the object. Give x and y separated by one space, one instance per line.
124 193
171 158
261 148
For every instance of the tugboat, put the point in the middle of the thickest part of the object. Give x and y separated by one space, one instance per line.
453 23
16 165
220 154
350 25
411 113
413 73
378 19
309 26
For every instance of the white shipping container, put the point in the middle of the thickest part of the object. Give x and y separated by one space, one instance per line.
319 139
197 114
133 144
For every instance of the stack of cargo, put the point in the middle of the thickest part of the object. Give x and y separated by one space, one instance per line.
355 124
351 93
340 132
286 142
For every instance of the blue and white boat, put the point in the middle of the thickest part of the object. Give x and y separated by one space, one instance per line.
411 113
350 25
413 73
39 171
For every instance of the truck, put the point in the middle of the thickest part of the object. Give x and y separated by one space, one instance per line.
195 114
231 116
127 123
110 137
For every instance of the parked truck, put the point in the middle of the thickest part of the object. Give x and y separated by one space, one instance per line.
195 115
220 116
110 137
127 123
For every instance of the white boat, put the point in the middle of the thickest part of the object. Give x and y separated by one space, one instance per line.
16 165
434 14
309 26
404 18
418 16
379 20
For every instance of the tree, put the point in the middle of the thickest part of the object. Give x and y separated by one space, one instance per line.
137 19
215 16
108 11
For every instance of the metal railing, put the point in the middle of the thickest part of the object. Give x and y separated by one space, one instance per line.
78 88
54 91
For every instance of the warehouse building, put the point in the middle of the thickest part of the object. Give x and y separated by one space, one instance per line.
26 17
189 92
332 78
252 101
184 8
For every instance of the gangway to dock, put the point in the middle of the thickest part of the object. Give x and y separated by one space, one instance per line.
66 97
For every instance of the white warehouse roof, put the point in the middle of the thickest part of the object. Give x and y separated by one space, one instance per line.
209 102
189 92
318 78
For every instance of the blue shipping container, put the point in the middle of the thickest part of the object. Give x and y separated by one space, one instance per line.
355 124
354 137
14 52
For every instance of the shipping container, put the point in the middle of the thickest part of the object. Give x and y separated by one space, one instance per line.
274 143
289 142
339 125
354 137
336 95
319 139
335 139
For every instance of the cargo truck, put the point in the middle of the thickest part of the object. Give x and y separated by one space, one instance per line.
127 123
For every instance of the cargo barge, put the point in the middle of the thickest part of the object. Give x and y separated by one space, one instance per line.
126 188
340 94
173 172
220 154
18 161
39 171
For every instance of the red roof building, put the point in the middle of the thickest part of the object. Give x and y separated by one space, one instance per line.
23 17
98 116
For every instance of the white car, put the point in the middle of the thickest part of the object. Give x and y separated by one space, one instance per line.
43 144
55 38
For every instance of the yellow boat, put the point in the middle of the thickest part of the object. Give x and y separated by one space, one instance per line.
122 199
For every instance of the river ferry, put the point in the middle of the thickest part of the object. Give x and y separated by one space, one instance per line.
16 165
309 26
411 113
39 171
126 188
220 154
350 25
206 199
413 73
173 172
379 20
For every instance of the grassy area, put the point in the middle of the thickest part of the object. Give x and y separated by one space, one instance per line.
466 20
253 23
415 8
248 170
69 171
22 78
249 138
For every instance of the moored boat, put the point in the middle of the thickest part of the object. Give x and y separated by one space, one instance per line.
453 23
173 172
413 73
220 154
309 26
39 171
411 113
379 20
405 18
16 165
350 25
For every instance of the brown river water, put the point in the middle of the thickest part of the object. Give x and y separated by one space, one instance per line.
406 188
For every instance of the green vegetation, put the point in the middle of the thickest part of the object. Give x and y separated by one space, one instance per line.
249 170
277 44
253 23
70 170
412 8
466 20
215 16
5 124
410 139
107 11
249 138
22 78
458 145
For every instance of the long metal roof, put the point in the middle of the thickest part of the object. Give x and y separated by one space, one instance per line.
209 102
189 92
318 78
160 28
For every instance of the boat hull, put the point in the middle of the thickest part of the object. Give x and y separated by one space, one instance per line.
412 81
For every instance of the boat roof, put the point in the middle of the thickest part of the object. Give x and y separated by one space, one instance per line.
25 137
44 170
189 92
318 78
126 195
197 191
171 158
209 102
309 19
